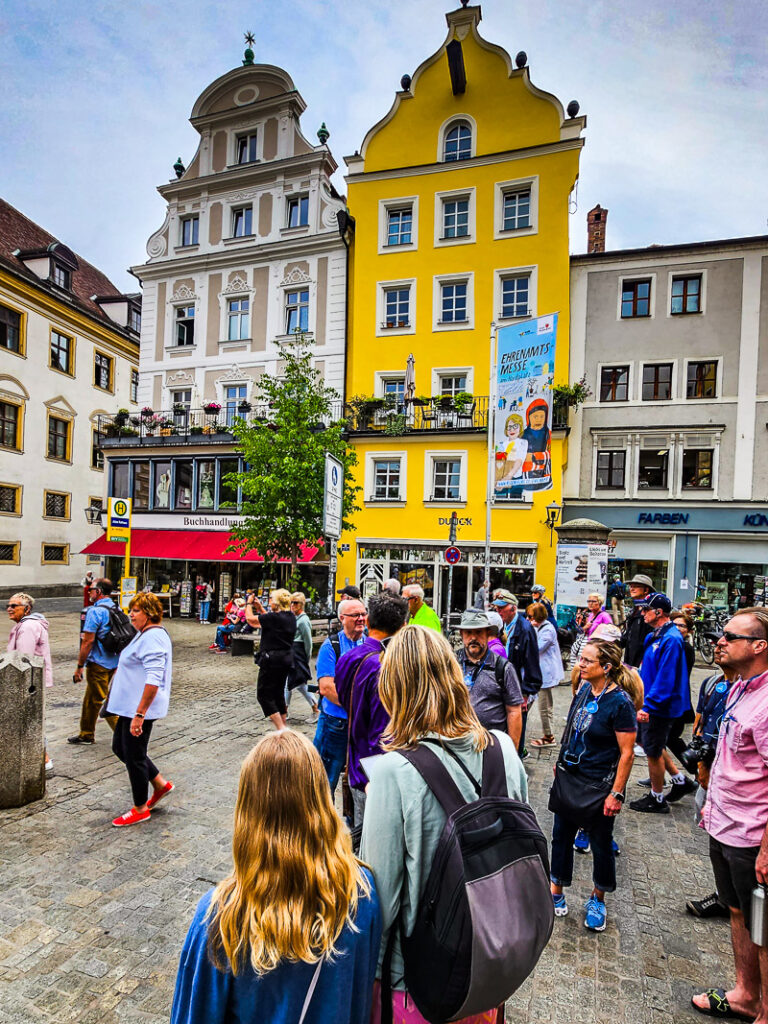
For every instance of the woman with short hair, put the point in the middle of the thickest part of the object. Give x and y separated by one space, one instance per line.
275 654
301 672
422 688
596 614
292 934
139 694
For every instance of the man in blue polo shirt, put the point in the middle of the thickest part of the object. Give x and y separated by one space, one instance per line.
99 665
331 735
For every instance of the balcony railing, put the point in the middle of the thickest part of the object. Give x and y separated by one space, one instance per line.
395 418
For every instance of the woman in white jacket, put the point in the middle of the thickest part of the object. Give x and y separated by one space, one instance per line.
551 663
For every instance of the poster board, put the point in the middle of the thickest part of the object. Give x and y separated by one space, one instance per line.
185 598
581 570
129 586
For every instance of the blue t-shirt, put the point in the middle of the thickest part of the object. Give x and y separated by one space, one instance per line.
326 666
97 621
711 705
593 748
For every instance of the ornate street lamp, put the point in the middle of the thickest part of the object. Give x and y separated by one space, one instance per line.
554 512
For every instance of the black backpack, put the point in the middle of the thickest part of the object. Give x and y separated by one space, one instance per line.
486 912
118 633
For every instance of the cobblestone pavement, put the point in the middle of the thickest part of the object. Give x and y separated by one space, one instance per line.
92 919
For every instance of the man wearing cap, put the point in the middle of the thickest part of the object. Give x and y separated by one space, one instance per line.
494 689
537 595
667 696
522 650
635 629
420 612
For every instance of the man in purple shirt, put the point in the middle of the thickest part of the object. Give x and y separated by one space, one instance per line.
357 686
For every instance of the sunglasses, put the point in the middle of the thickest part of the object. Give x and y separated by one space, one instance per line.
731 637
9 606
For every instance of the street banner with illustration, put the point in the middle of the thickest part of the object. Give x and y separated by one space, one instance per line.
525 364
580 570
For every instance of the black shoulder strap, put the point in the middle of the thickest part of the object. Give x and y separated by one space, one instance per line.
336 645
436 776
494 772
500 668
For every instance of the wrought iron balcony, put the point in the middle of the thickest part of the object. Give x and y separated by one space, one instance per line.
395 418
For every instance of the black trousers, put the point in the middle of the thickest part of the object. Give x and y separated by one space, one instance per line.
132 751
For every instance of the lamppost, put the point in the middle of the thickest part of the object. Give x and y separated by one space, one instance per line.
554 511
94 514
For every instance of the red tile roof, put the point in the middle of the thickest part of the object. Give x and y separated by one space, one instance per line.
19 232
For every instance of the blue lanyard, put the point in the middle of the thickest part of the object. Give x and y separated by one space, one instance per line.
580 723
727 716
470 676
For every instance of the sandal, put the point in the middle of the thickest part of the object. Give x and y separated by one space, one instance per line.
720 1007
545 741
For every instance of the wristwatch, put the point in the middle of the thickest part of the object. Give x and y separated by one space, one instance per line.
617 796
139 715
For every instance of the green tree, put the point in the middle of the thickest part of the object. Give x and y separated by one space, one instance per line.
283 484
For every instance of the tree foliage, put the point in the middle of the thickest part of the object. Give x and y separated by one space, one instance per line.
283 482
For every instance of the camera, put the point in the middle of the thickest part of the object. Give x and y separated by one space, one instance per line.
700 750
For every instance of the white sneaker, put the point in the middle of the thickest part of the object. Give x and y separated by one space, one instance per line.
48 766
639 752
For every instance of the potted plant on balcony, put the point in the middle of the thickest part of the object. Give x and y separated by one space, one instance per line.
211 408
244 407
196 430
147 411
462 401
166 427
565 397
445 402
121 417
180 407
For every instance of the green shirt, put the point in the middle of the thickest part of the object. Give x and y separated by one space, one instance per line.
426 616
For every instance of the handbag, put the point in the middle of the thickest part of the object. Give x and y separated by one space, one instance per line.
572 796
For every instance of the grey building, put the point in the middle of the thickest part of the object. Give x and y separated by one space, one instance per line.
671 450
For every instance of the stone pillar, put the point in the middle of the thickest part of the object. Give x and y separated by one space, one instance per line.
22 775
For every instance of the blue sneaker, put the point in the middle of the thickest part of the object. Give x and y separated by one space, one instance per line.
581 842
561 907
616 850
596 915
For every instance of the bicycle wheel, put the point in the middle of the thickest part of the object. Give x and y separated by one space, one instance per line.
706 649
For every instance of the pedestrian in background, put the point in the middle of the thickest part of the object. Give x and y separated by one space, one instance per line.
635 629
29 635
275 654
86 582
393 586
301 672
616 598
234 615
482 595
420 612
537 597
551 663
99 664
292 934
204 595
139 696
493 683
596 614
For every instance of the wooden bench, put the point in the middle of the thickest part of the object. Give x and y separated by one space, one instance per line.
247 643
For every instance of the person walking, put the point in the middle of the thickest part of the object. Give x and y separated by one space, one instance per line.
596 615
635 629
138 697
301 672
98 663
420 612
357 687
736 813
422 689
494 688
591 774
204 596
538 591
86 583
523 651
616 598
29 635
667 696
481 596
332 727
292 933
275 655
551 663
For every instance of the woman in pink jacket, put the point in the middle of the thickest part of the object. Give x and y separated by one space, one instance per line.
29 635
597 615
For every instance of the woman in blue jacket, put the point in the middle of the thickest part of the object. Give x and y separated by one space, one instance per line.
292 934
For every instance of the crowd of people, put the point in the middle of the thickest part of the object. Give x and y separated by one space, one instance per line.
312 923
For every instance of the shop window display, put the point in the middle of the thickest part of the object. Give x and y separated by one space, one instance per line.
732 585
162 495
140 486
206 483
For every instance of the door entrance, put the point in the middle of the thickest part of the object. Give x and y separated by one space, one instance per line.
458 591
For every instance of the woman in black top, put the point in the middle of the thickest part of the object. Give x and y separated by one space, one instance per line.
275 656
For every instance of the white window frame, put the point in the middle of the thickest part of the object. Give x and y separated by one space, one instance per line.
443 197
452 371
381 288
436 455
235 209
651 401
240 133
639 275
245 297
184 304
182 221
385 205
296 197
445 127
437 302
501 188
501 275
287 290
719 378
630 383
695 272
372 457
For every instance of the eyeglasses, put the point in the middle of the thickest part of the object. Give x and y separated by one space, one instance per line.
9 606
730 637
587 661
354 615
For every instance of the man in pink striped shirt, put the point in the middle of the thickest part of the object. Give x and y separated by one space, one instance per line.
736 812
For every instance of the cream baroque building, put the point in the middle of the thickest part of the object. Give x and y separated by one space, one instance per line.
249 251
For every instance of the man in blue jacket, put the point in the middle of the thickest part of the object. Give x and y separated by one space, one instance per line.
667 697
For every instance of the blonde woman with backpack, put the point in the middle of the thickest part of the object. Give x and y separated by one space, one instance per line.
422 688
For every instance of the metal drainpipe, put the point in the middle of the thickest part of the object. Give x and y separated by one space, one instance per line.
346 224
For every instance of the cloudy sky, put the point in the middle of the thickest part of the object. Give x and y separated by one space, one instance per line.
96 97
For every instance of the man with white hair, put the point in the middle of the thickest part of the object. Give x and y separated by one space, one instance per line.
420 612
393 586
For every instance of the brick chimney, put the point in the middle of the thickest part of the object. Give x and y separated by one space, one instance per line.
596 229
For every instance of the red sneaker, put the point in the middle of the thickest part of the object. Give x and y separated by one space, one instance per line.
168 788
132 817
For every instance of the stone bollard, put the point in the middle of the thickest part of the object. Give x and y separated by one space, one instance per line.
22 763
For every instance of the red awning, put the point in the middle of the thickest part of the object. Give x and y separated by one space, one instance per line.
182 545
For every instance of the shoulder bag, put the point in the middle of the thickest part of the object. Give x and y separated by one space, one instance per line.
572 796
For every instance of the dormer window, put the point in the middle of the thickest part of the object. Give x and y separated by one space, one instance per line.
457 144
60 275
134 319
246 148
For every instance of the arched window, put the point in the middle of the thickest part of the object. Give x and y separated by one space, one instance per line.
458 142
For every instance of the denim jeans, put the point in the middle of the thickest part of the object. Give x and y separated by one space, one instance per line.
221 633
331 743
601 842
204 610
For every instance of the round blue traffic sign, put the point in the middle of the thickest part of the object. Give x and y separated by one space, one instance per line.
452 555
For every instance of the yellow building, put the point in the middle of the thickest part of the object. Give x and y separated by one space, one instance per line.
460 199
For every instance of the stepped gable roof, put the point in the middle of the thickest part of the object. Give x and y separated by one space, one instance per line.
19 232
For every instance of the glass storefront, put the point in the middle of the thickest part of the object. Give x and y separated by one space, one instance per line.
732 585
626 568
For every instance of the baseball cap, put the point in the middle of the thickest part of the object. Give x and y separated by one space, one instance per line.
505 597
473 618
350 591
642 581
537 588
605 631
657 601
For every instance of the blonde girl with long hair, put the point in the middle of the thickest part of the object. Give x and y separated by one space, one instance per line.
292 934
422 689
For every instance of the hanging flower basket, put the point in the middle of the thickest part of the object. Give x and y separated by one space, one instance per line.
147 411
212 407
